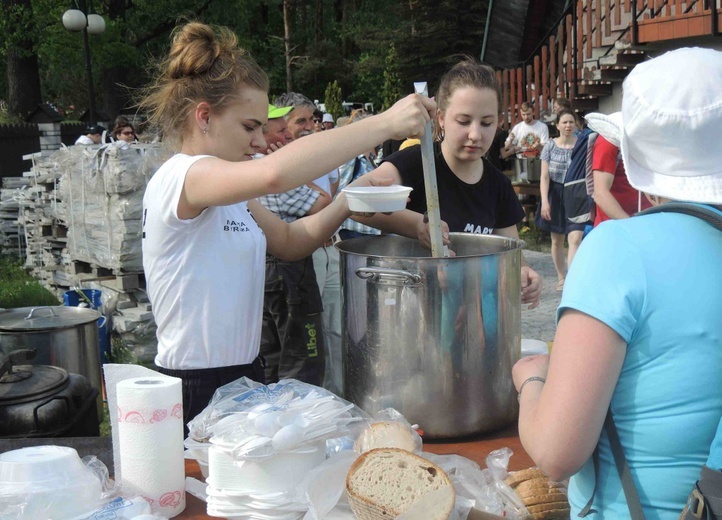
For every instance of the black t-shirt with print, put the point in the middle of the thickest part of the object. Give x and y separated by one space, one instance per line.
472 208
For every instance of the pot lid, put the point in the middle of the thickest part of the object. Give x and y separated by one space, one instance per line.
34 382
45 318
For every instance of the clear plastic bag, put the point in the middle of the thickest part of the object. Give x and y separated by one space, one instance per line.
247 419
388 429
52 482
482 489
324 489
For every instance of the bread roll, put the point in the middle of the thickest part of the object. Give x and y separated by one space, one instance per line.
386 482
543 498
385 434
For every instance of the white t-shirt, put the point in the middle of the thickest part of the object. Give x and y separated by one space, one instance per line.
205 276
84 140
521 130
324 182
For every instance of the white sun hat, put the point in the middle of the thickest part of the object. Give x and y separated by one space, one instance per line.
608 126
672 119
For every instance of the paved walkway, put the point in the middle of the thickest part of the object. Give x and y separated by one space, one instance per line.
540 323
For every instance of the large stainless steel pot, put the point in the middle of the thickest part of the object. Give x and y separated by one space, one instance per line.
65 337
529 165
435 338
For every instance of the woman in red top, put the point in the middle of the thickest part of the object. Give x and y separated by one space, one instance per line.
614 197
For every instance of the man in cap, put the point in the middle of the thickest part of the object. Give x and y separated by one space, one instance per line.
276 131
292 334
327 121
93 135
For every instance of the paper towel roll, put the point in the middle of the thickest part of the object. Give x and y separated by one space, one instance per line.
150 434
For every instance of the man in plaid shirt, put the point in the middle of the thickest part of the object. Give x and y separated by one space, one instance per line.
292 335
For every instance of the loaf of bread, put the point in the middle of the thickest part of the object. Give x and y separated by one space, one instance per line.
542 497
386 482
385 434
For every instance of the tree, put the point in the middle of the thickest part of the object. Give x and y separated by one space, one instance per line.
23 71
333 100
287 14
393 87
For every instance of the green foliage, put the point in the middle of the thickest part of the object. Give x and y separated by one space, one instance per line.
6 117
346 42
17 28
334 100
18 288
392 88
121 353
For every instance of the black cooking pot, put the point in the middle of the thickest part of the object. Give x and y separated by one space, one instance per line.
44 401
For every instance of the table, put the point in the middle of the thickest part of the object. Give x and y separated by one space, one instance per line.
476 449
527 188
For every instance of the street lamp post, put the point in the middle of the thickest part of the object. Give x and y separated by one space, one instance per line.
82 17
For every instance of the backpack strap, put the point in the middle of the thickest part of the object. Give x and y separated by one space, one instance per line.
710 216
625 475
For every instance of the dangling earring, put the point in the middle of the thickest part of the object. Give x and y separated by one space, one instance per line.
440 136
208 122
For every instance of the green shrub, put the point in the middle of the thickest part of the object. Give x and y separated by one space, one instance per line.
18 288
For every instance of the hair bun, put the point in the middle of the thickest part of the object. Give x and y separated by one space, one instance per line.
196 47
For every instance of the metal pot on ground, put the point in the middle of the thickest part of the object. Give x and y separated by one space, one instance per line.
434 338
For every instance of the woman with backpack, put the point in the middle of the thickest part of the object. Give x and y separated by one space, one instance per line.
639 329
551 217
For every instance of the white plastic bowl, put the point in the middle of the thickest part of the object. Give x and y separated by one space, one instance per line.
48 479
377 199
531 347
39 464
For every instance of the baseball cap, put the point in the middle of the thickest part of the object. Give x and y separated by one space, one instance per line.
95 129
275 112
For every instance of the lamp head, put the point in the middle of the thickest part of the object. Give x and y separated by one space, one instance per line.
96 24
74 20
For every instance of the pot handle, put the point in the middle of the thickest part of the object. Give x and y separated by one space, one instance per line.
389 276
32 311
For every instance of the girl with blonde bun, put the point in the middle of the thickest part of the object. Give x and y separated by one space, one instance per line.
204 235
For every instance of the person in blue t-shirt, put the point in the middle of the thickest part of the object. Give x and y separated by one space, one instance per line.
639 324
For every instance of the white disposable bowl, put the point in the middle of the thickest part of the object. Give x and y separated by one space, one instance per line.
48 479
372 199
39 464
279 472
530 347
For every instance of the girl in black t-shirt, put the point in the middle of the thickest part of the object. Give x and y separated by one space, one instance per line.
474 196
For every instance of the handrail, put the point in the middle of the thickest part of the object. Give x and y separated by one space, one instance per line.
569 9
